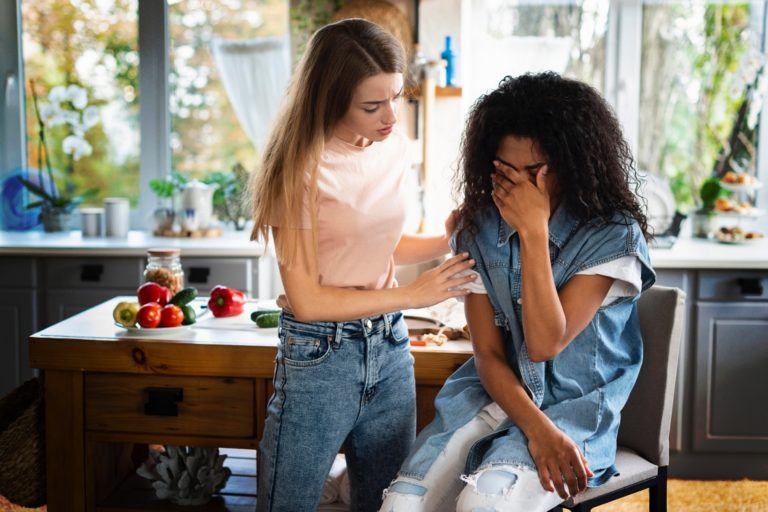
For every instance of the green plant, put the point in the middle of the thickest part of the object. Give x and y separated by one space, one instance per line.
166 188
67 106
229 200
709 191
306 17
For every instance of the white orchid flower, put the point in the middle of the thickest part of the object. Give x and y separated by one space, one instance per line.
76 146
77 96
71 117
51 114
57 94
91 117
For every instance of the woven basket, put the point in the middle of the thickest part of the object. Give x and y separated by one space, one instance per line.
384 14
22 445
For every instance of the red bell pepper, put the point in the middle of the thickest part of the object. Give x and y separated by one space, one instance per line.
226 301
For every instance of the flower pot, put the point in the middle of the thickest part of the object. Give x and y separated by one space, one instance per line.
55 220
702 223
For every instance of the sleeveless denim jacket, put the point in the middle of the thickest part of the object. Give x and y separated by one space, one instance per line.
583 389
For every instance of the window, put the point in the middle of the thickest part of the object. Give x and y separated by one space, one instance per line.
509 37
81 61
698 59
205 133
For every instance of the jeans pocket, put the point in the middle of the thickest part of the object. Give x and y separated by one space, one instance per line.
306 350
399 332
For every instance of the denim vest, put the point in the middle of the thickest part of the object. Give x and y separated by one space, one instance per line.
583 389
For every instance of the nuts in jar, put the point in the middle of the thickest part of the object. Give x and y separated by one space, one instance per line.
164 268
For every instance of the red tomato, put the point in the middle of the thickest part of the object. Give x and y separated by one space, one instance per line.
153 292
149 315
171 316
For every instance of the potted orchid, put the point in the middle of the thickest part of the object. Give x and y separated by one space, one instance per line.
66 106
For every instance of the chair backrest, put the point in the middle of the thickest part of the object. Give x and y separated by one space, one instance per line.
646 417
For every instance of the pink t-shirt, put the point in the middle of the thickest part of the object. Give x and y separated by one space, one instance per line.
361 211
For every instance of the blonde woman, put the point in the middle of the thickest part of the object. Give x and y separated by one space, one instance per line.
330 192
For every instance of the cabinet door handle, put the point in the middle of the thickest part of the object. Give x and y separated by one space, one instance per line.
91 273
750 286
199 275
163 401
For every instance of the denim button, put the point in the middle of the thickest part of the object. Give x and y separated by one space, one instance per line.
520 300
368 324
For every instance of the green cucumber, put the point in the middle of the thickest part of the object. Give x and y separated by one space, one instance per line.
189 314
268 319
256 314
184 296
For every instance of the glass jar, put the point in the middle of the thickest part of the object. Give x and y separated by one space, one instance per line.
164 268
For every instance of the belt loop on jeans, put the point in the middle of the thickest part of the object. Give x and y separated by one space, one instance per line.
339 331
387 324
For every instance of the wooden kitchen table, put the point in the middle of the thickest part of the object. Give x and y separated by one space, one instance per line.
109 393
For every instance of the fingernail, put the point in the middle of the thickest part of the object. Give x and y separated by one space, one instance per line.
472 262
496 163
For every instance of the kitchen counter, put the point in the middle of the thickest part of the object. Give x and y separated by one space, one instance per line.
691 253
686 253
71 243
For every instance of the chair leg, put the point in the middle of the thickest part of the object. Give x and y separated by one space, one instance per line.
658 493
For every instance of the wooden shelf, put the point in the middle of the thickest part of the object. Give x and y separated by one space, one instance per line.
440 92
239 495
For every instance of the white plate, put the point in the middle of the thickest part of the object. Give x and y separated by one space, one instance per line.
741 187
752 212
156 331
742 241
661 204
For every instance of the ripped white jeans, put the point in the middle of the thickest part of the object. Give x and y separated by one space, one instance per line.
494 489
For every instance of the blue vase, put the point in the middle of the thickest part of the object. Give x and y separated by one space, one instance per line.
15 216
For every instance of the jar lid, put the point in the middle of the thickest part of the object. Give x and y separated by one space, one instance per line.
163 253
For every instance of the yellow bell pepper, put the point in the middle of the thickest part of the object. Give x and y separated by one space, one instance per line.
125 313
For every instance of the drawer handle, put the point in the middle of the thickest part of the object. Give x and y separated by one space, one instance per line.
750 286
162 401
91 273
199 274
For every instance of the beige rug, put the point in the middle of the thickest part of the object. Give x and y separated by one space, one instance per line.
701 496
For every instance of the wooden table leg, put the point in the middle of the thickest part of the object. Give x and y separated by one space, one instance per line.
64 438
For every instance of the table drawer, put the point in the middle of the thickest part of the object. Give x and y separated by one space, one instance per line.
153 404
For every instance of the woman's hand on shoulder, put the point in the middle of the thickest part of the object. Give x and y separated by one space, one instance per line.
440 283
561 465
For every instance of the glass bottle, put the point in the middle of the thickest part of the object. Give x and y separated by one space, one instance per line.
449 56
164 268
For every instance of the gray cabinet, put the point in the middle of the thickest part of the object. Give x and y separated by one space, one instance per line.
205 273
19 318
730 404
720 417
73 285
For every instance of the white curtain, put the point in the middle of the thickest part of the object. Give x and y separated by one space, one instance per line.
255 74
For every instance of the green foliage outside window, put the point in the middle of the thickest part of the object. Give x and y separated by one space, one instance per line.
695 92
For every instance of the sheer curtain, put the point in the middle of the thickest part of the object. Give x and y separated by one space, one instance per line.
255 73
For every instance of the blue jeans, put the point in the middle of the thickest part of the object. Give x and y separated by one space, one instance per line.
337 383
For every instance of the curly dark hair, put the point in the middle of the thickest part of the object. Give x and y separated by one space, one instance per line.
575 129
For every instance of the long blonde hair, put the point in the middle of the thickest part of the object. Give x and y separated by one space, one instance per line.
338 57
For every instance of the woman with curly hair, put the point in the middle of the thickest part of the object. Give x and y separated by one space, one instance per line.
559 241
